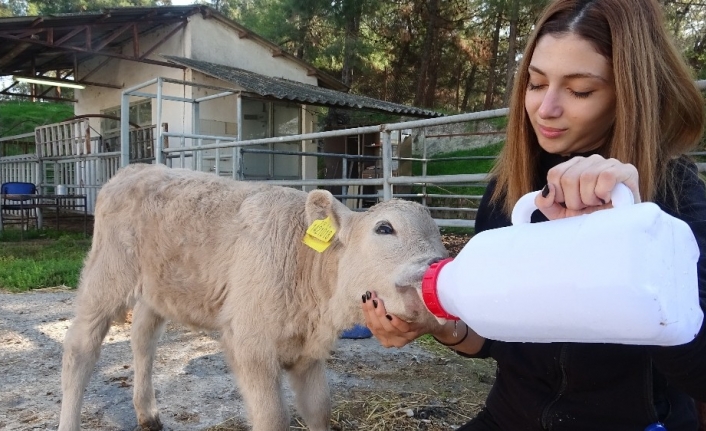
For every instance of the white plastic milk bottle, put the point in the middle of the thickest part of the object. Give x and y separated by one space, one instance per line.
623 275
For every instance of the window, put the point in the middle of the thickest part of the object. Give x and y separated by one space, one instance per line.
263 119
140 114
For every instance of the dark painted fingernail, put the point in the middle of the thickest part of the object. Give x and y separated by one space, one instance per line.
563 204
545 191
363 299
375 303
368 295
388 317
602 201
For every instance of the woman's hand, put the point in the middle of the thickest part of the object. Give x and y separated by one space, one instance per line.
583 185
388 329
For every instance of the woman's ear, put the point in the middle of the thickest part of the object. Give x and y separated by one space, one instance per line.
321 204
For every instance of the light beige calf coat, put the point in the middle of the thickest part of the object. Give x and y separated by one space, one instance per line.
224 255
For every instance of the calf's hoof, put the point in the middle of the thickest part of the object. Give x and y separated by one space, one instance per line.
153 424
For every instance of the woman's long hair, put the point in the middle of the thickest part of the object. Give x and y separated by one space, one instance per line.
659 109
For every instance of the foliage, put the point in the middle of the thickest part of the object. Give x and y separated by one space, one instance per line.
448 55
48 7
17 117
43 259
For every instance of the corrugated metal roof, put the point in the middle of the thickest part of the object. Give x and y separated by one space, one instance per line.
285 89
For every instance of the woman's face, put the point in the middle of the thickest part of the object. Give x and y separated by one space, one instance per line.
570 98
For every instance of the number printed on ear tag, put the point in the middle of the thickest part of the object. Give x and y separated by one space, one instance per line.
319 234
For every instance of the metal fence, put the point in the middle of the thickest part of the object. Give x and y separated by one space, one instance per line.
189 149
212 153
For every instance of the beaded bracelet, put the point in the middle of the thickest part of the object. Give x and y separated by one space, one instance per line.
456 343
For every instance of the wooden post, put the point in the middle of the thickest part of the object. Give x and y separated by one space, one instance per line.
165 139
87 141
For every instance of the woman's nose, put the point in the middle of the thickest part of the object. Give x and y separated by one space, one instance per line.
551 106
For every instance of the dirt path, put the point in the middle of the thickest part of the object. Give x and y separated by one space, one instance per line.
372 387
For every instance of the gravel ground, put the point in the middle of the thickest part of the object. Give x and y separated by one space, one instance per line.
195 390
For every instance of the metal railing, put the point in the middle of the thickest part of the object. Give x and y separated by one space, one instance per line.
228 150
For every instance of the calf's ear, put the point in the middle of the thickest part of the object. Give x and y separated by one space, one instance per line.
321 204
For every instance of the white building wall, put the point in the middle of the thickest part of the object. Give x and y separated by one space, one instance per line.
202 39
125 73
217 42
205 40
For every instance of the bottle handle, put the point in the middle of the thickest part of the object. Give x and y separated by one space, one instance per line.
522 212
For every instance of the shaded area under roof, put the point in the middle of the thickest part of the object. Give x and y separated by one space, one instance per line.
285 89
32 45
40 44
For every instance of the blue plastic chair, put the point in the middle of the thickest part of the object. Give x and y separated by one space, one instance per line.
17 210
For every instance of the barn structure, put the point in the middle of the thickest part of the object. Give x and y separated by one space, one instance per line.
177 76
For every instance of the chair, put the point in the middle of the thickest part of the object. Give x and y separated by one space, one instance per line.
17 209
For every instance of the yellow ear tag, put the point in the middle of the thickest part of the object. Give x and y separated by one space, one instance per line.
319 234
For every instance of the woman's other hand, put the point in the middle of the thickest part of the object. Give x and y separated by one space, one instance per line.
583 185
388 329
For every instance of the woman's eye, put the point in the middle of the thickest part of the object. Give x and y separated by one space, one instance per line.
384 229
581 94
531 86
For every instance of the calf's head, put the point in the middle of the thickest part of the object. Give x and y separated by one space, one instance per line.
386 249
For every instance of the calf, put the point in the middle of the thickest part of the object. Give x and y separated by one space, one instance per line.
218 254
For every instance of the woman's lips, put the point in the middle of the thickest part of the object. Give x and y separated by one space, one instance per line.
550 132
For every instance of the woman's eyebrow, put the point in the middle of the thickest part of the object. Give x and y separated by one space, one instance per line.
571 75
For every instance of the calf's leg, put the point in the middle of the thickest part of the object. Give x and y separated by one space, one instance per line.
147 327
258 375
106 282
312 395
82 347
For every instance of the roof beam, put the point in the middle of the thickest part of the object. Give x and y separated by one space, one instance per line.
60 99
164 39
98 49
14 52
77 49
95 69
113 36
71 34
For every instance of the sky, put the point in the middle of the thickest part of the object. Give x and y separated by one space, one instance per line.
182 2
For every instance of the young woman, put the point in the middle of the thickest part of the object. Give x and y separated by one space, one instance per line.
601 97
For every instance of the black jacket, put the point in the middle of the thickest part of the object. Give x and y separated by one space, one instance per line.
576 387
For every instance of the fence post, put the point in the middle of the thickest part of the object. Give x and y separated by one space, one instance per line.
344 175
386 164
125 130
158 155
423 138
238 168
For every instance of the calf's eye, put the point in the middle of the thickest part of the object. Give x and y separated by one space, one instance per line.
384 229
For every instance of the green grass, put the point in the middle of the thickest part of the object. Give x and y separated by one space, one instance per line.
462 165
457 230
43 259
17 117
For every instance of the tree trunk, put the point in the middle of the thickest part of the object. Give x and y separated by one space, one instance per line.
511 51
427 53
470 83
490 88
432 75
398 72
352 10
